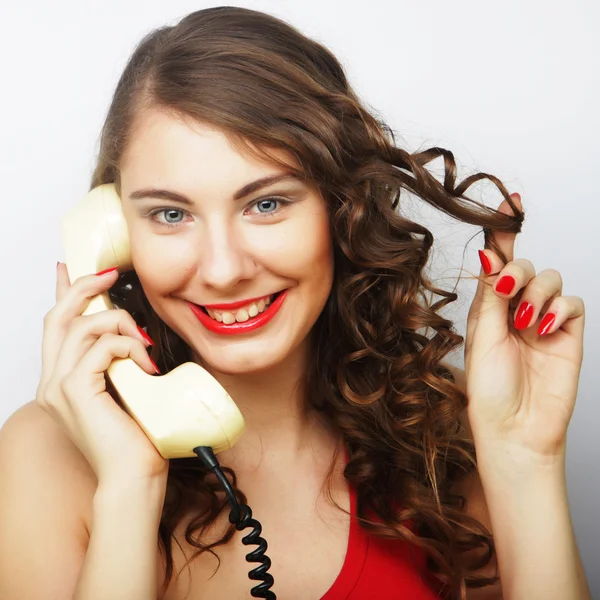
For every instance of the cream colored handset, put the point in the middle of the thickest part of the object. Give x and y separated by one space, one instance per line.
178 411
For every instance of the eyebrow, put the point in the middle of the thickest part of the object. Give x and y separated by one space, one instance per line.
246 190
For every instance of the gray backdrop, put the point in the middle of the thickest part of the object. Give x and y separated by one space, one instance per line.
511 88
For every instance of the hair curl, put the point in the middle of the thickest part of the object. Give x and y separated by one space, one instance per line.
375 375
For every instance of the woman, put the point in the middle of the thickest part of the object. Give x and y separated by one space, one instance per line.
249 173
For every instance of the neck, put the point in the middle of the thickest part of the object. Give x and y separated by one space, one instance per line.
281 427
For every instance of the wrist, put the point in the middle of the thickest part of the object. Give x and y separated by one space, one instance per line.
512 466
531 524
133 492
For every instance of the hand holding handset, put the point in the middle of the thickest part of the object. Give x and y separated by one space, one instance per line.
178 411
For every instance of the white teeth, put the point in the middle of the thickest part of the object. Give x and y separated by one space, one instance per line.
242 314
228 318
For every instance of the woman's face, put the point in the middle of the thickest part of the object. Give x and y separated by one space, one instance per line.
207 239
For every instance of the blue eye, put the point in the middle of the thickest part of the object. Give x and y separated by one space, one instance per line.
171 216
269 206
265 204
172 213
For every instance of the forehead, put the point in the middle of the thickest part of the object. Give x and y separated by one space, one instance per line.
166 148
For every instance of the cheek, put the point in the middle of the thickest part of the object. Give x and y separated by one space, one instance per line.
302 250
319 242
154 263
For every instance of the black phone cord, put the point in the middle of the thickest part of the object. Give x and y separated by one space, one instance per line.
241 516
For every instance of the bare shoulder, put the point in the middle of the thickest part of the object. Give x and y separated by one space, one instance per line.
46 492
32 441
32 429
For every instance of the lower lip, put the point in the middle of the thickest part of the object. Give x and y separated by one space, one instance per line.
250 325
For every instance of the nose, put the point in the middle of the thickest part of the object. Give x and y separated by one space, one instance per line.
225 259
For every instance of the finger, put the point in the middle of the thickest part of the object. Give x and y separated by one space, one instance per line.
73 302
77 296
566 313
475 308
62 281
503 284
110 346
87 380
85 331
513 277
506 243
505 240
545 286
476 303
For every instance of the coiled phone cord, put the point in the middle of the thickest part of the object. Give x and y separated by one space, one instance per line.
241 517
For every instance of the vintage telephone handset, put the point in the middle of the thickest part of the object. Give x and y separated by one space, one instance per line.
185 412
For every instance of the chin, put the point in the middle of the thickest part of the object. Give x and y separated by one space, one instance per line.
241 363
241 354
282 343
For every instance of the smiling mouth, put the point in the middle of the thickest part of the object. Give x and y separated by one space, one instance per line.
229 324
242 314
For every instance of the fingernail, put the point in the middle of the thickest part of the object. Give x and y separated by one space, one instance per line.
546 323
524 315
485 262
515 196
155 367
107 271
506 284
145 336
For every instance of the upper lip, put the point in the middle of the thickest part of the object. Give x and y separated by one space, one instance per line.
237 304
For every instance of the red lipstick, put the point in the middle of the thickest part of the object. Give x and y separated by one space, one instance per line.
233 305
250 325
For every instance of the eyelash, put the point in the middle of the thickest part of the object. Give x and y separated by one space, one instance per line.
281 201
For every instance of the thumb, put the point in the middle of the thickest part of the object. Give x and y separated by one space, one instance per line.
491 306
503 239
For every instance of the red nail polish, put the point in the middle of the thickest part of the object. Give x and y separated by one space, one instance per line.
145 336
546 323
506 284
485 262
155 367
524 315
107 271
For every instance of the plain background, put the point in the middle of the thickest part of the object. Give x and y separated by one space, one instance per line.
512 88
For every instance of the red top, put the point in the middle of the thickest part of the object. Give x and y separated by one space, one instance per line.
379 568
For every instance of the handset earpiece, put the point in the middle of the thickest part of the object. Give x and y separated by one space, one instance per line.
181 410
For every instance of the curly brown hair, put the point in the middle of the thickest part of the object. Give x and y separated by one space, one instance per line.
375 374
